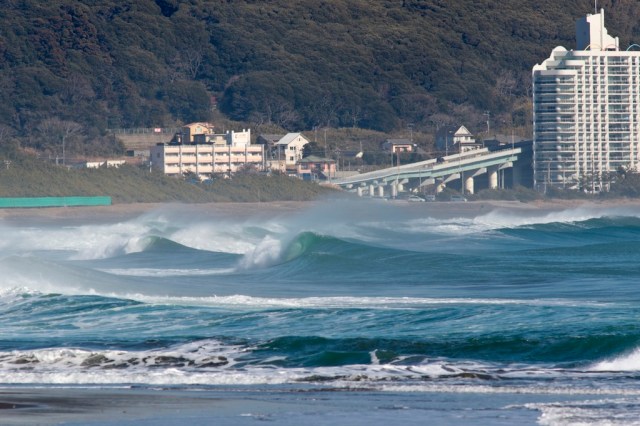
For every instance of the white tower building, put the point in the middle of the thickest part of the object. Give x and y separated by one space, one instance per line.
586 111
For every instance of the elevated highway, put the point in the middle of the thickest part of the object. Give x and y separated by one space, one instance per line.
464 167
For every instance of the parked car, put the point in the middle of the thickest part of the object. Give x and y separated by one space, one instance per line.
429 197
415 198
458 198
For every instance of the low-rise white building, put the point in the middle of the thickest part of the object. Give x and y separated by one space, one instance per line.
211 154
452 139
104 163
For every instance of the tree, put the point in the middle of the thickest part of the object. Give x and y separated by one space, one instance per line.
57 134
313 148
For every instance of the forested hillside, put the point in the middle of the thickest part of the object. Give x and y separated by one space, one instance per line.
70 69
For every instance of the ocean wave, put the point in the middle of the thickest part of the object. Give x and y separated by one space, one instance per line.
267 242
166 272
348 302
311 302
627 362
210 362
609 411
53 277
274 251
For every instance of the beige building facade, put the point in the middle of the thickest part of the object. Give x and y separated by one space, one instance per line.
211 154
205 160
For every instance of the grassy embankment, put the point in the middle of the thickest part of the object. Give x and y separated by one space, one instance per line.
27 177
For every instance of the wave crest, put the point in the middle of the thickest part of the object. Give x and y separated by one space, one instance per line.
272 251
627 362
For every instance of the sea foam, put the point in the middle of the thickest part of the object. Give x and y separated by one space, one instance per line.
627 362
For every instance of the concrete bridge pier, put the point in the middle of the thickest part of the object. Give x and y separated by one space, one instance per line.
468 185
394 191
372 191
469 179
381 191
359 191
426 182
443 184
516 174
493 177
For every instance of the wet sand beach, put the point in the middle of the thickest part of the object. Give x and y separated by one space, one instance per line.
248 406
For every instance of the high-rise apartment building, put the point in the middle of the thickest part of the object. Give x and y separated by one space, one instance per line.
586 111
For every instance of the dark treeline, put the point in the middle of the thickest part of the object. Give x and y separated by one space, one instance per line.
71 69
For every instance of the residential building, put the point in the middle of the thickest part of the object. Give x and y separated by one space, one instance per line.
210 154
586 111
269 140
189 131
316 168
455 139
287 152
398 146
104 164
224 139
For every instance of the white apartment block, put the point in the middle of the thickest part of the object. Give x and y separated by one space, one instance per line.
586 110
216 154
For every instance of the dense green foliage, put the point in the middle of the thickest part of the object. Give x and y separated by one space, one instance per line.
27 177
70 69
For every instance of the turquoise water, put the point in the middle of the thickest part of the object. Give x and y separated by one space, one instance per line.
371 299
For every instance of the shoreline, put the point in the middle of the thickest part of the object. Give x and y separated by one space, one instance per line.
128 211
246 405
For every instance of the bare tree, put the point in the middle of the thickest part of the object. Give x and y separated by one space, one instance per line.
258 118
192 60
526 83
77 89
324 109
53 130
284 114
505 83
354 115
5 133
440 119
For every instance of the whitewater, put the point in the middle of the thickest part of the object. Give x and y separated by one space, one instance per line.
484 314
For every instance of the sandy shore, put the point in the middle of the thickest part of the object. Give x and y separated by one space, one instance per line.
122 212
239 406
59 406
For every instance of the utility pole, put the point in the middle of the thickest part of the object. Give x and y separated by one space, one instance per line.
512 139
488 114
325 142
446 143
